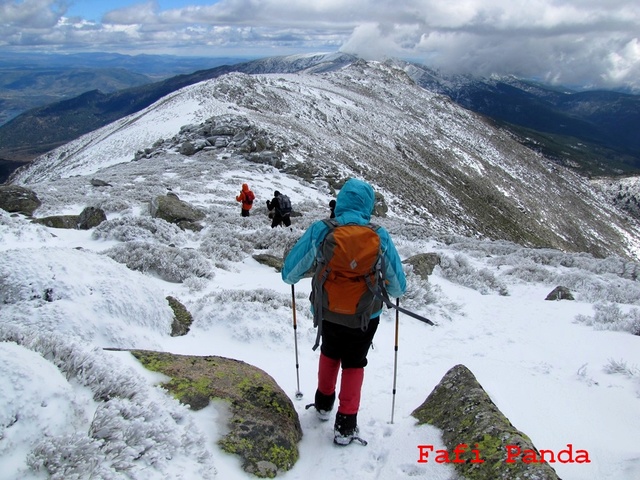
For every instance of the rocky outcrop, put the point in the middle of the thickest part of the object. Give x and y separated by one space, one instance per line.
380 207
461 408
233 134
89 218
182 319
173 210
560 293
270 261
264 428
69 222
423 264
16 199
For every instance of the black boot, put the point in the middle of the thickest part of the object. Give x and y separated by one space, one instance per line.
345 429
324 404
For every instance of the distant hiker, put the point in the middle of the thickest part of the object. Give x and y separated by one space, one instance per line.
246 197
332 206
347 329
282 206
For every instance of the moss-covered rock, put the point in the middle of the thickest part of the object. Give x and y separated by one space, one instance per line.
269 261
182 319
461 408
14 198
173 210
264 429
69 222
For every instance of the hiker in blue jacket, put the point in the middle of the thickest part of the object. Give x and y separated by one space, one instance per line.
343 346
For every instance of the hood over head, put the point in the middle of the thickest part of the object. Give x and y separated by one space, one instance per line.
355 202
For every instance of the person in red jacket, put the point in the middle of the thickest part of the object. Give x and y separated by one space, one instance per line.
246 197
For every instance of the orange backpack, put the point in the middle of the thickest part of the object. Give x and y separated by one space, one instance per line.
349 270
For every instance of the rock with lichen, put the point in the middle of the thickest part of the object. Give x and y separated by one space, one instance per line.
182 318
264 428
461 408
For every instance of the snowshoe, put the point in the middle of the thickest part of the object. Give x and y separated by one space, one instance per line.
346 430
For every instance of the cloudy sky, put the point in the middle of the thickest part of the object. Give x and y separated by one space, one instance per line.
573 42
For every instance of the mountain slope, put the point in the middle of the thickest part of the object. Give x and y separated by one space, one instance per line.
45 128
594 131
33 80
433 161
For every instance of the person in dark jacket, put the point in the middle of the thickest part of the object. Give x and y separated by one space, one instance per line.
344 347
332 206
282 210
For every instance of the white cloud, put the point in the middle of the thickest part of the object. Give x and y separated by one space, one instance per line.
585 42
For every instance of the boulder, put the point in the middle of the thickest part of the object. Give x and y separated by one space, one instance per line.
69 222
560 293
91 217
16 199
269 261
96 182
423 263
187 148
461 408
380 207
173 210
263 429
182 319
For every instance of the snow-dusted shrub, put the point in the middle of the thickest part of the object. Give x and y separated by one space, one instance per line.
602 288
459 270
17 230
481 248
242 313
82 294
276 241
137 431
136 228
555 258
621 367
419 293
132 430
225 245
531 272
423 297
609 316
168 263
195 284
113 204
70 457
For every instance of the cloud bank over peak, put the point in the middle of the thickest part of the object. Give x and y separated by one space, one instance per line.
593 44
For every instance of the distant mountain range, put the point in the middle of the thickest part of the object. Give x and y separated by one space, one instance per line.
592 132
30 80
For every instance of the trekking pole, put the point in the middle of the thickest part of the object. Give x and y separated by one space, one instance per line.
295 339
395 361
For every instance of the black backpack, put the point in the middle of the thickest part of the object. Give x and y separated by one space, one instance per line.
284 205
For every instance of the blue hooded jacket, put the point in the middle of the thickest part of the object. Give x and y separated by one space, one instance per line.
354 205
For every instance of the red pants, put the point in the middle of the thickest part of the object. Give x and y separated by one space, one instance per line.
346 347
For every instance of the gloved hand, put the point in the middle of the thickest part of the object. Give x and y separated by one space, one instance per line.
268 203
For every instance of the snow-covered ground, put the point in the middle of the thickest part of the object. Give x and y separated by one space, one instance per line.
554 368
